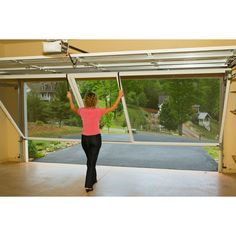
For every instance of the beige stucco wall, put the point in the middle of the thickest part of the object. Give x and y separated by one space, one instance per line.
123 45
3 132
229 132
9 145
9 97
1 49
21 48
34 47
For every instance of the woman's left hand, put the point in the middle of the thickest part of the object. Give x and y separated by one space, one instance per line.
69 95
121 93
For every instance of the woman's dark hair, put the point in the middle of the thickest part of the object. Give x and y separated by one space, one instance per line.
90 99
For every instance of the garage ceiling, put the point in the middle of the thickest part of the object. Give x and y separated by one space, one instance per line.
130 61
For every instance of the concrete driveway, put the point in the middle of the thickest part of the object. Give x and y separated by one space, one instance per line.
128 155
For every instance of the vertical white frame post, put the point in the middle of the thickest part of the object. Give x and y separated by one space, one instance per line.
119 83
19 111
226 98
25 141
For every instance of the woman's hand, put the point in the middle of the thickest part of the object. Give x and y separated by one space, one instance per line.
72 106
121 94
69 95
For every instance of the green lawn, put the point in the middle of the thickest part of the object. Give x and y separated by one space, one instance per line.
51 130
214 152
205 133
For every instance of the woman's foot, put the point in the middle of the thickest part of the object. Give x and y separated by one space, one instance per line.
88 189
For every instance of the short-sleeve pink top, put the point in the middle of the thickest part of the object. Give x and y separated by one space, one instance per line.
91 119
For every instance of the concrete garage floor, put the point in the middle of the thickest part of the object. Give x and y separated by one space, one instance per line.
50 179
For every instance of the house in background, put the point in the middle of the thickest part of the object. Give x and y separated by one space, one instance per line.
204 120
45 90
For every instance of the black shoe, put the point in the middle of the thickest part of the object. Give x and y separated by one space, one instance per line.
88 189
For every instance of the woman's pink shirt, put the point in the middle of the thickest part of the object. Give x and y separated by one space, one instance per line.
91 119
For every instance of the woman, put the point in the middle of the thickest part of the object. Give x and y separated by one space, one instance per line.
91 137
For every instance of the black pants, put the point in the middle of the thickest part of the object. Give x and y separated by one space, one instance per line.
91 145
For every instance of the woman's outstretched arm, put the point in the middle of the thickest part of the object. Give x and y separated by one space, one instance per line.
72 106
114 106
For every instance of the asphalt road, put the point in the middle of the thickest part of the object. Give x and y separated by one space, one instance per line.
128 155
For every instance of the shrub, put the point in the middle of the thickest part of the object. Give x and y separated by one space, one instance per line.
39 122
73 121
32 149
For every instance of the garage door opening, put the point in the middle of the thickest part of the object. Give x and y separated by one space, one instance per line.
153 118
150 65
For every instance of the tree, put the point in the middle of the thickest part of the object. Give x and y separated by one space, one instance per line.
36 108
143 93
152 90
105 89
207 96
59 111
132 98
168 116
181 98
59 107
142 99
107 120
